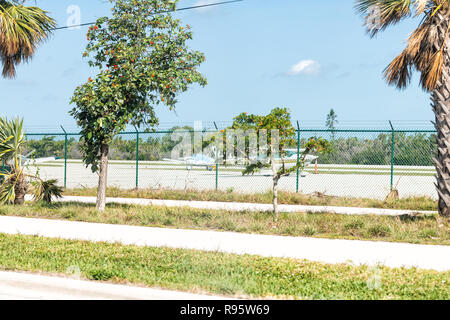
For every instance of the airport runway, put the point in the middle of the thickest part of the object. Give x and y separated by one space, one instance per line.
364 181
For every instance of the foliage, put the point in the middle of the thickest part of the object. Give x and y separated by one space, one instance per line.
12 140
330 122
46 190
410 149
424 51
280 134
14 182
47 146
143 60
278 119
22 29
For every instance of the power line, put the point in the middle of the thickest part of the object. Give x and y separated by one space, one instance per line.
180 9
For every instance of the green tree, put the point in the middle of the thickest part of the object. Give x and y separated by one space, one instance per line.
22 29
47 147
330 123
144 61
426 51
280 134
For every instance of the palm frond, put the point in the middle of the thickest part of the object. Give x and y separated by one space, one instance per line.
7 188
429 78
22 29
12 139
421 6
380 14
416 40
46 190
398 73
7 194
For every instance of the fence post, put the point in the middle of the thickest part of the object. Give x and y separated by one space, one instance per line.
392 155
298 156
137 157
65 157
217 162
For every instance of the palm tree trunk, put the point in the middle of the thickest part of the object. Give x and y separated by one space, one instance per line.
102 179
20 189
441 106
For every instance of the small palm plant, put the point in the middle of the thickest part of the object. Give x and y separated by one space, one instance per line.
14 182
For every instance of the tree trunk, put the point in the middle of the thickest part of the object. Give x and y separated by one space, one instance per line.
275 198
441 106
20 189
102 178
276 178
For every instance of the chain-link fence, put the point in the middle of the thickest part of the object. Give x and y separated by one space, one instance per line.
362 163
371 163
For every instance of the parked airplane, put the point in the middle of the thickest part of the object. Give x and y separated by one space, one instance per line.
196 160
26 160
292 155
290 159
200 160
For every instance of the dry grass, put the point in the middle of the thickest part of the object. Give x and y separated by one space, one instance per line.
416 203
419 229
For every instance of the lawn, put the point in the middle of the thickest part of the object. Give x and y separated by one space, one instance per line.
415 203
419 229
218 273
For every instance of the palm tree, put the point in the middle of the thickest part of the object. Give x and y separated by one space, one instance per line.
428 52
12 142
22 29
14 181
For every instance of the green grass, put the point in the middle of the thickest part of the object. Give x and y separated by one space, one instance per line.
413 203
420 229
218 273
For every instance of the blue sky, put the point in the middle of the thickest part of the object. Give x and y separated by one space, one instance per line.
306 55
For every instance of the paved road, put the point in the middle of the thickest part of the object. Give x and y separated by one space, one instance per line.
321 250
349 185
21 286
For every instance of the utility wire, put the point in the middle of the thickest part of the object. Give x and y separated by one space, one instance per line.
180 9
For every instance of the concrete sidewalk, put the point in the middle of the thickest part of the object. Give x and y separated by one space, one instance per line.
240 207
321 250
23 286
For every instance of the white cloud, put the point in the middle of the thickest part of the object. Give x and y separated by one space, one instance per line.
305 67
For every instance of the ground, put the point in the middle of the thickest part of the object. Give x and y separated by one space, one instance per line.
336 180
